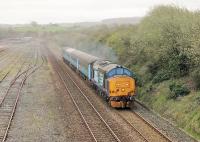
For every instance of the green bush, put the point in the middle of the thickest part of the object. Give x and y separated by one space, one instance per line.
177 63
197 100
153 68
138 80
196 78
160 76
178 90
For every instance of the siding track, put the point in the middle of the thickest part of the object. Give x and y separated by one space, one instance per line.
9 101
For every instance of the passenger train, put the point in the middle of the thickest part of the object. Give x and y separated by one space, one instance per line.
113 81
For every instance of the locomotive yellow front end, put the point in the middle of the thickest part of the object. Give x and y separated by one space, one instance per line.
121 91
115 82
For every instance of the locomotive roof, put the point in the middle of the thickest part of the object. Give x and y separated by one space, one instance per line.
81 56
105 66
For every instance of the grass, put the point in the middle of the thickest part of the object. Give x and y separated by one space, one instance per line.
183 111
40 29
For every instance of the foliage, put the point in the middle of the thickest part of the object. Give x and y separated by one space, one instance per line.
196 77
197 100
160 76
153 68
178 90
167 41
138 80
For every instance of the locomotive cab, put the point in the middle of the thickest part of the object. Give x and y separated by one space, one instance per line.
121 91
116 82
120 86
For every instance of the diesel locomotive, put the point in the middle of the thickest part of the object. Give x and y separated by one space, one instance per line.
113 81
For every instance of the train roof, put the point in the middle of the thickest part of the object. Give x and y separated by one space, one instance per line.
81 56
105 65
111 69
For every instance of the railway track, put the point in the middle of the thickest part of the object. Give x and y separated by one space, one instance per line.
3 49
153 127
154 134
4 76
94 122
8 65
7 54
149 132
9 101
129 123
8 71
165 127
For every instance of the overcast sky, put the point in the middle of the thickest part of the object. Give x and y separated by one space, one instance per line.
62 11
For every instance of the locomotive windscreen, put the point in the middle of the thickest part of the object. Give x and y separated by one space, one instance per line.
119 71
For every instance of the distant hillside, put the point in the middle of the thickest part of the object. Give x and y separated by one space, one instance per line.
122 21
4 25
113 21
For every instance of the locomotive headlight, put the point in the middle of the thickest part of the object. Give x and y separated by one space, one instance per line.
123 89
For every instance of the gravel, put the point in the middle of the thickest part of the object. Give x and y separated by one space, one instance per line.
171 131
165 126
45 112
